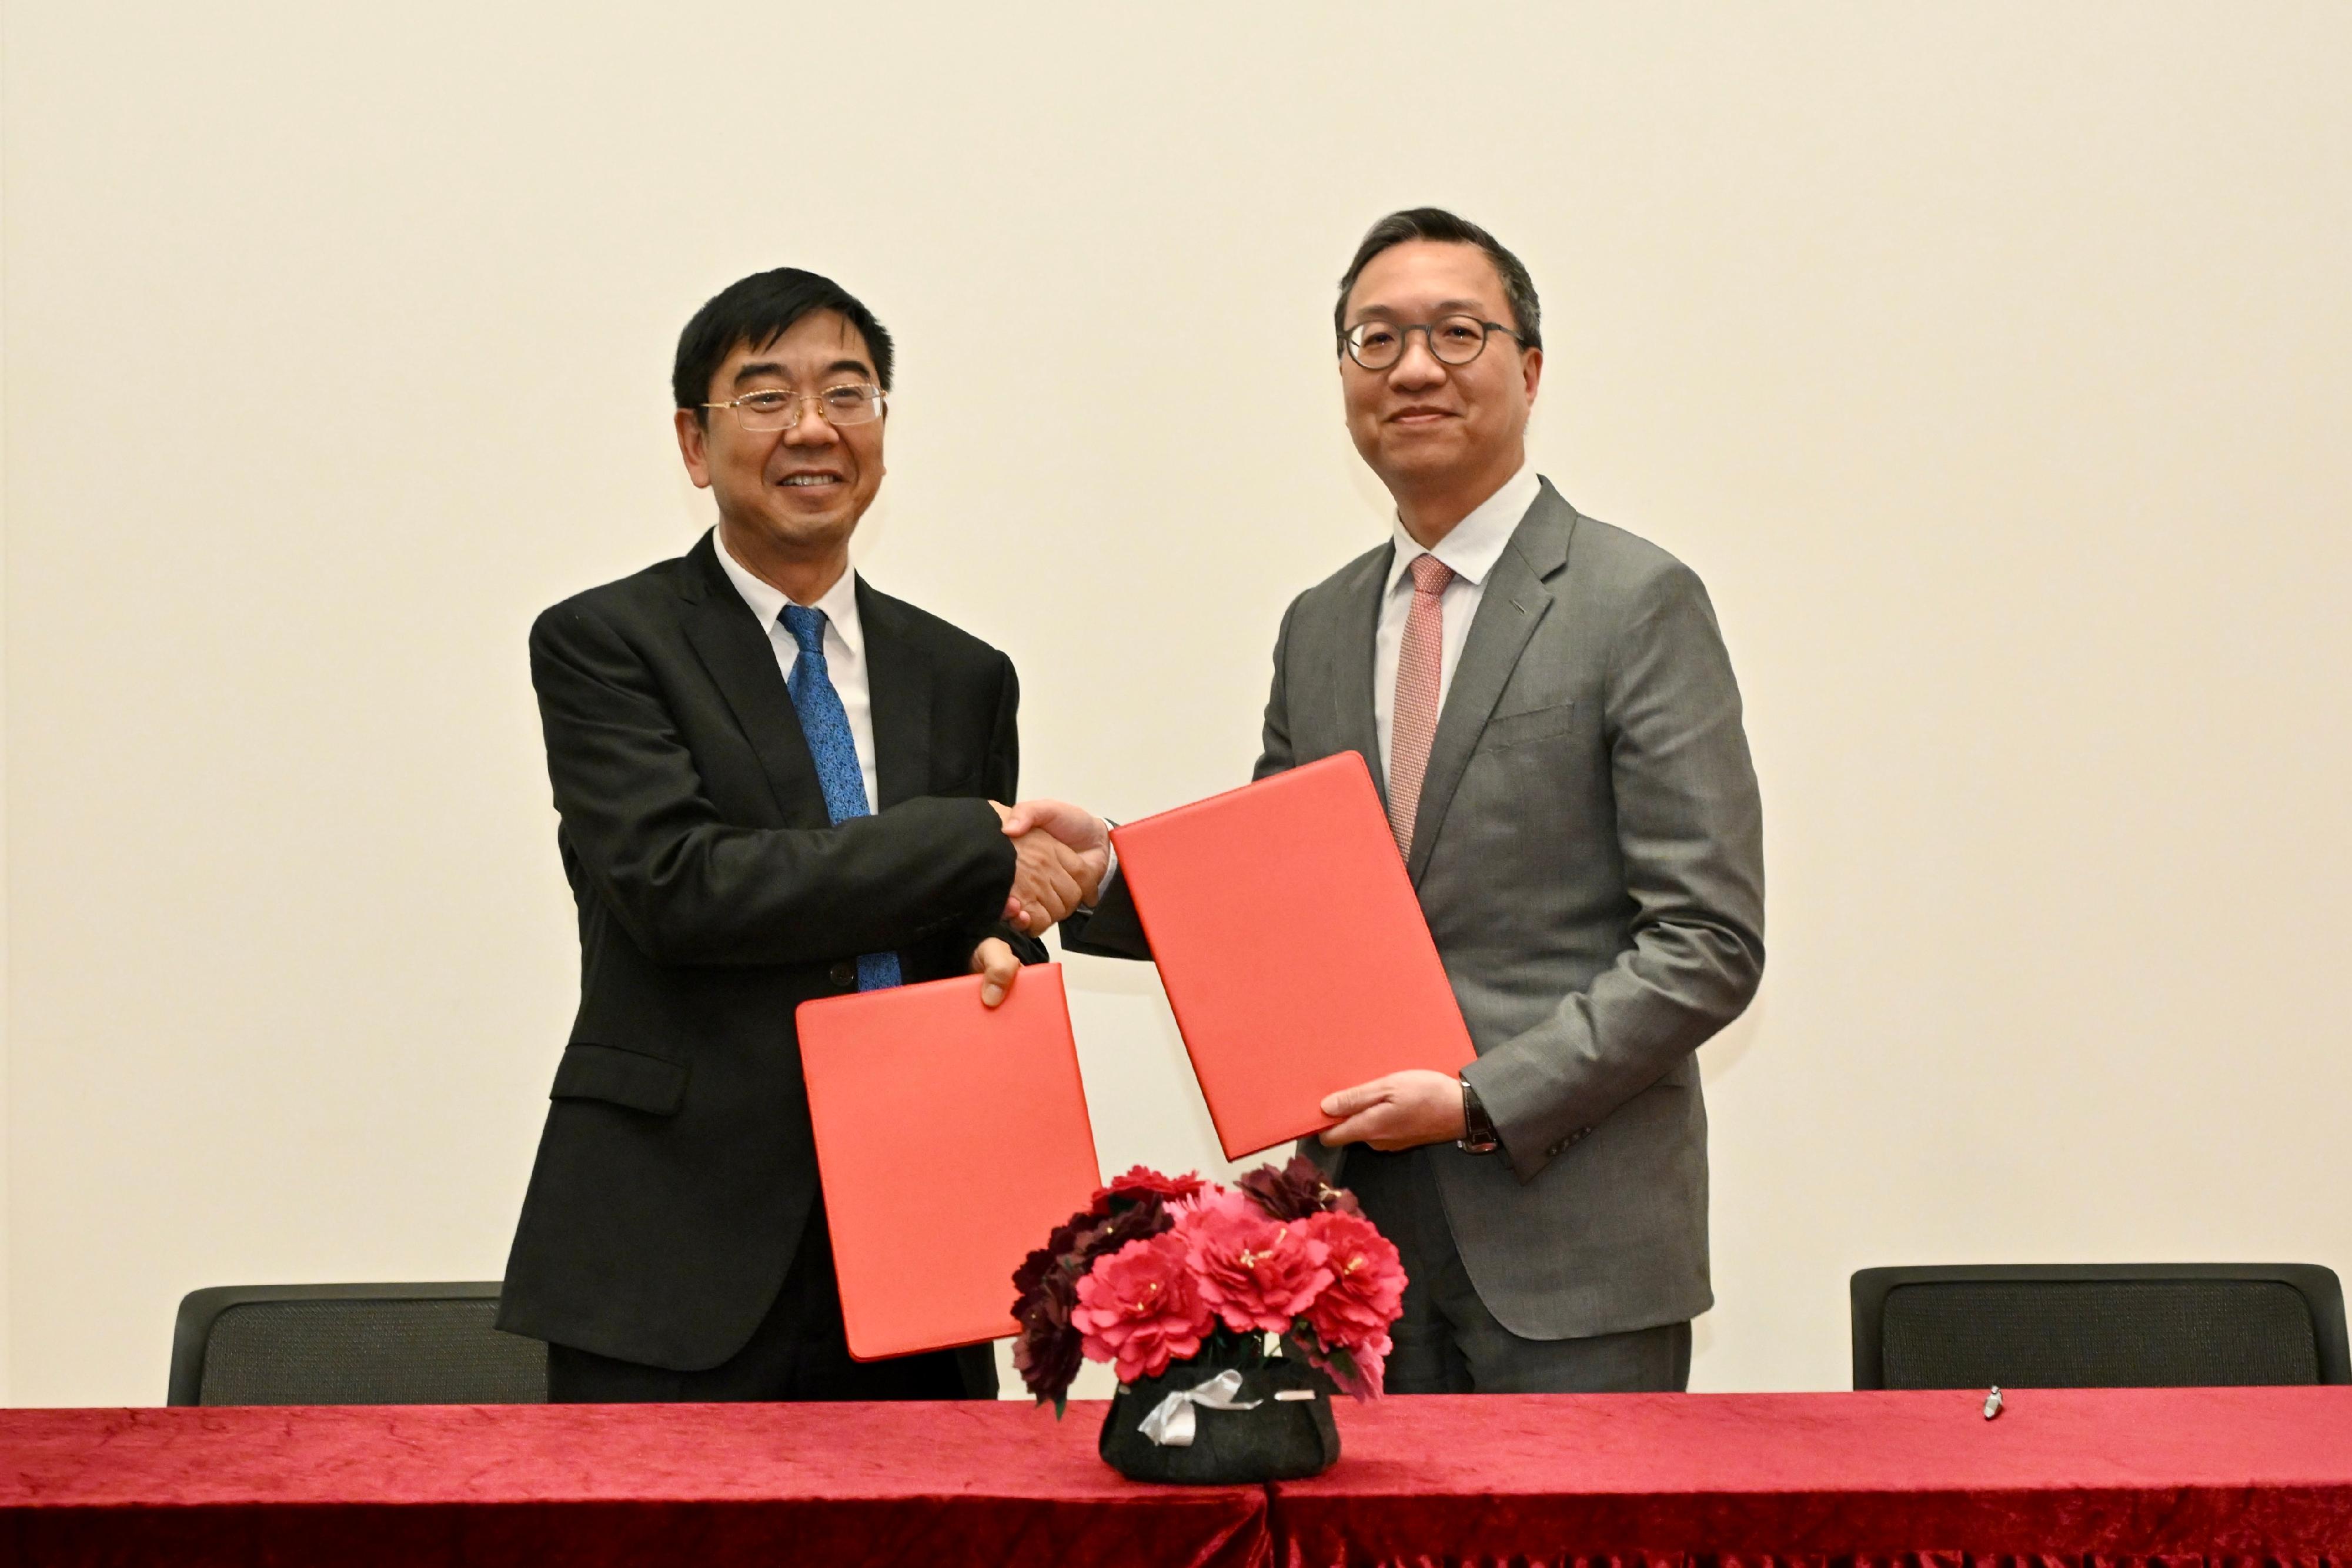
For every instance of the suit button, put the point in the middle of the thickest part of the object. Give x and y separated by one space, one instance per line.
843 974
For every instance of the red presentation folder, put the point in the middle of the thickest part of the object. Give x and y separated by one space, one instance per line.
1293 950
951 1139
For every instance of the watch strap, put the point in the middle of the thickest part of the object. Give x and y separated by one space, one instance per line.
1477 1127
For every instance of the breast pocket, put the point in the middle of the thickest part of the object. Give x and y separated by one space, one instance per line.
1505 730
618 1076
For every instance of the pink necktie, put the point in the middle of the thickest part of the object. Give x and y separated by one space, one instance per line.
1414 721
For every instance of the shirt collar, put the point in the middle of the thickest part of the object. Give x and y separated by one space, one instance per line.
839 602
1475 543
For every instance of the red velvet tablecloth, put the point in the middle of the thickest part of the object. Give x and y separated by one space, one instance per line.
2073 1476
586 1486
2178 1475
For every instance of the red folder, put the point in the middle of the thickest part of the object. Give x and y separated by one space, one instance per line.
1292 947
951 1139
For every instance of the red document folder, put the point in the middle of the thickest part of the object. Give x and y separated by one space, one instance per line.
1293 950
951 1139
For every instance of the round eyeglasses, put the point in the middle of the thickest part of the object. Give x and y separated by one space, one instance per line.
772 408
1453 340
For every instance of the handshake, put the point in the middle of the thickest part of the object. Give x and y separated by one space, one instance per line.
1061 854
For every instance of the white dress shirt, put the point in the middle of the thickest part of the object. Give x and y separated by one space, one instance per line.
1471 548
845 651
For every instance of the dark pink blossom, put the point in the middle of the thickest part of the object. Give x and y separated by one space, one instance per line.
1367 1289
1139 1308
1257 1272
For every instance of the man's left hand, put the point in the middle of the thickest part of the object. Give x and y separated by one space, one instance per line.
1401 1110
994 962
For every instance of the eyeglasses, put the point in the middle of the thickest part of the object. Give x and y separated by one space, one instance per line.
771 408
1453 340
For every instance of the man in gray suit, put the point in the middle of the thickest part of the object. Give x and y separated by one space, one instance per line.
1548 707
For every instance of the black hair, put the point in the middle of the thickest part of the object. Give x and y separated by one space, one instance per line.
1437 224
758 310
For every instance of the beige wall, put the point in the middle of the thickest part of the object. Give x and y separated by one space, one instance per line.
1990 363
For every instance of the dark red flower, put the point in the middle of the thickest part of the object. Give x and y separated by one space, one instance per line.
1297 1190
1049 1349
1140 1181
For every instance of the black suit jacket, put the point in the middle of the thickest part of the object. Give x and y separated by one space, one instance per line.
676 1171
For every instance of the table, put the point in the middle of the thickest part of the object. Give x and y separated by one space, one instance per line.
586 1486
2064 1474
1640 1479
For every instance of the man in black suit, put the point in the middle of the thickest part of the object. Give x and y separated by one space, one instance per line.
774 783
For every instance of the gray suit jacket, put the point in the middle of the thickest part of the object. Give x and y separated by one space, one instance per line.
1589 853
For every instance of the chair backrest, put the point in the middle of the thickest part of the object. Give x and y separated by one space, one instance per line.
352 1345
2099 1325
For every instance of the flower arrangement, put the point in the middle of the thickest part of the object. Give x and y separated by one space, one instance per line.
1159 1269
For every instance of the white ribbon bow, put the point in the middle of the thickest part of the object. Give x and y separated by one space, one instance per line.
1170 1423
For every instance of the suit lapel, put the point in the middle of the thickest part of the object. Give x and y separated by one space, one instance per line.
734 647
899 682
1513 604
1359 612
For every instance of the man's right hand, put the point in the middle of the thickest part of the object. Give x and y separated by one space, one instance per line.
1049 878
1085 836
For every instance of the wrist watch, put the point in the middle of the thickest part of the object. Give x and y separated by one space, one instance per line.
1477 1127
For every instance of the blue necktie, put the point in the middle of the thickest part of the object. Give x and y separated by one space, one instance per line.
825 724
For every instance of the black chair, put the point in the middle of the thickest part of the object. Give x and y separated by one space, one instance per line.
351 1344
2099 1325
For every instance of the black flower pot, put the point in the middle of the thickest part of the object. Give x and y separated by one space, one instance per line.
1281 1439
